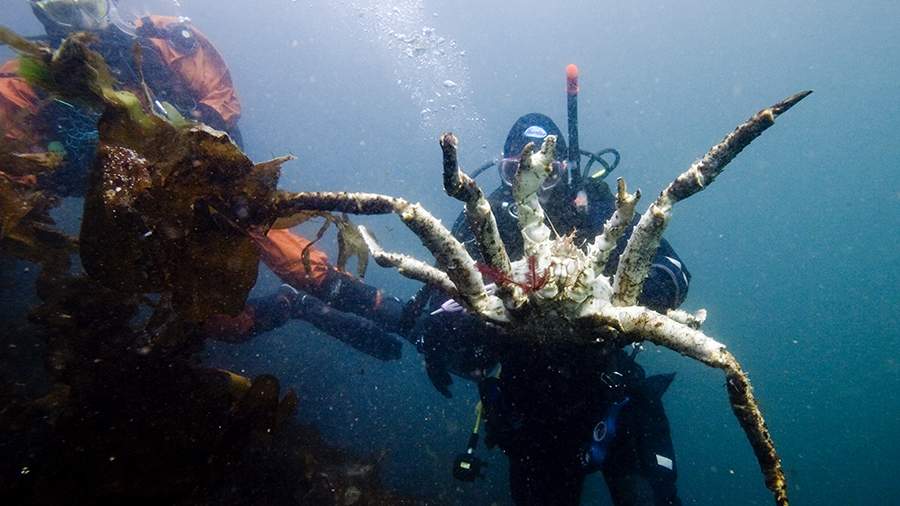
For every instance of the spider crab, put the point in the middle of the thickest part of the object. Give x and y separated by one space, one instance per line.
557 291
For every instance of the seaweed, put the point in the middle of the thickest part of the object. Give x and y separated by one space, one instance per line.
169 203
27 231
350 242
164 244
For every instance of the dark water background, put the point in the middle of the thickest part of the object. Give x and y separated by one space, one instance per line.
794 251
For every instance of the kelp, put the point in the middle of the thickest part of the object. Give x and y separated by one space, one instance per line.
177 222
19 194
72 71
121 424
168 204
181 425
28 165
350 242
27 231
164 244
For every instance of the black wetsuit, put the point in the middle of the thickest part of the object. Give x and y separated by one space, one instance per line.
545 404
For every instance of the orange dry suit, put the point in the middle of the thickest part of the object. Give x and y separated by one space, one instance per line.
18 105
198 80
196 74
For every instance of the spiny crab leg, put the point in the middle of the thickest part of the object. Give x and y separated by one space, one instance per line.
480 219
408 266
615 226
534 167
640 324
450 254
635 260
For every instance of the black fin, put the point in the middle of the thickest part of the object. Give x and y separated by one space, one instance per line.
655 386
439 377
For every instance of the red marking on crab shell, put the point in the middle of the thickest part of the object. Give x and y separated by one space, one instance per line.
533 282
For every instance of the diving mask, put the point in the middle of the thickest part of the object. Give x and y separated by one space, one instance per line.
72 15
509 167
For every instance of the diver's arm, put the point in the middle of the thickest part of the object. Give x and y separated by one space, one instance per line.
347 293
262 314
356 331
19 106
282 251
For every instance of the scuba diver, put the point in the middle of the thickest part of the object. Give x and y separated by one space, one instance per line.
171 64
560 413
180 66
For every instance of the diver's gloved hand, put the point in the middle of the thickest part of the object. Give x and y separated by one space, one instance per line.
388 311
397 316
360 333
452 306
273 311
433 348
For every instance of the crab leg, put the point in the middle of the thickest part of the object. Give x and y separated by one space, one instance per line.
408 266
533 170
693 320
635 260
450 254
643 324
481 220
614 227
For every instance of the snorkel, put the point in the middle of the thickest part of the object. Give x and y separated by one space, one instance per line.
574 155
576 193
578 179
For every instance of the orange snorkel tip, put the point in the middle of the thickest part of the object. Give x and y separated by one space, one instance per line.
572 79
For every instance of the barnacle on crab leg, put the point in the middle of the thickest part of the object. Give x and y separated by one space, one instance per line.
693 320
642 324
450 254
635 260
